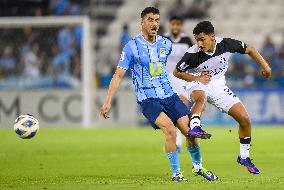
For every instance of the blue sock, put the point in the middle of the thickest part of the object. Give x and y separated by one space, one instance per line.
195 156
174 161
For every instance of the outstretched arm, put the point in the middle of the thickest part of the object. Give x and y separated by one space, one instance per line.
114 84
253 53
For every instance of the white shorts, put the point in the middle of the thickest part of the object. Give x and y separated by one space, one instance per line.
218 95
178 85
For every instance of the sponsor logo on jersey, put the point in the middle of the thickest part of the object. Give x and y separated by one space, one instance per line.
182 66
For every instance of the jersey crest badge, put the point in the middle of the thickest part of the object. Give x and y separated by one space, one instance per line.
162 52
122 56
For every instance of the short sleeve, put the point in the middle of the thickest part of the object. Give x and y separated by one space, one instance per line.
126 57
236 46
183 64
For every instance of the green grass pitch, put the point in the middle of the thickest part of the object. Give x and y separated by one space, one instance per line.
133 158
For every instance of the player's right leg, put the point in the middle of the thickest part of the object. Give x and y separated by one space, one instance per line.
198 98
169 130
154 112
193 148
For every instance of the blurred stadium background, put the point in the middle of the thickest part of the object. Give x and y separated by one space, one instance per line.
57 58
42 63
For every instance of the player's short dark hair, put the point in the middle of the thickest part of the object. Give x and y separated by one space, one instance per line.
205 27
148 10
176 18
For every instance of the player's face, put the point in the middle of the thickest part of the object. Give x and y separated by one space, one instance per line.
150 24
175 27
206 42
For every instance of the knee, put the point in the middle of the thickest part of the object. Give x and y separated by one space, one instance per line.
170 133
245 121
167 126
201 100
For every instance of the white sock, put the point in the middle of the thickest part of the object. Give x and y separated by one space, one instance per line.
197 167
244 150
195 121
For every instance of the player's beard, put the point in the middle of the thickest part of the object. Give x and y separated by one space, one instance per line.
152 33
149 35
211 48
175 34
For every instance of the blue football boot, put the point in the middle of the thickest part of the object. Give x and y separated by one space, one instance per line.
197 132
247 163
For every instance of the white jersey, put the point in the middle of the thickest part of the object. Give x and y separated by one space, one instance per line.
196 61
179 47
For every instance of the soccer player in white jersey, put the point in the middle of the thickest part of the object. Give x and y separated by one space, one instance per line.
181 43
204 66
146 55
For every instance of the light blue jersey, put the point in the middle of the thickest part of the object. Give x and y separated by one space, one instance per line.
147 63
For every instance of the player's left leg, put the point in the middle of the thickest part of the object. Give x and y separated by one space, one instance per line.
239 113
178 113
224 99
193 147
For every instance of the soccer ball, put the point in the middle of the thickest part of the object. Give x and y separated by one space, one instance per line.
26 126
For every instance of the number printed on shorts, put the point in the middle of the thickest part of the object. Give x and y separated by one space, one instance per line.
155 68
229 92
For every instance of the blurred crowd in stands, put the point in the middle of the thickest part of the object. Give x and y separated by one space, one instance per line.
39 7
197 9
41 57
243 71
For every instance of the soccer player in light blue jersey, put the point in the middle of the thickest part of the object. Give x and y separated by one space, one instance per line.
146 55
